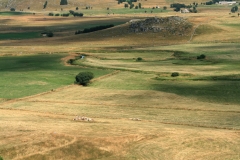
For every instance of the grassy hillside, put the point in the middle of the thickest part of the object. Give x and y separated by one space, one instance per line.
135 108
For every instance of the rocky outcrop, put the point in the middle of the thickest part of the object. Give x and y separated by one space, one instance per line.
168 25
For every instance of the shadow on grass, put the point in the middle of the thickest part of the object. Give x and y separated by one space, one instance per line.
225 92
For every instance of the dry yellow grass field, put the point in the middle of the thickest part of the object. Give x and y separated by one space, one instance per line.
135 116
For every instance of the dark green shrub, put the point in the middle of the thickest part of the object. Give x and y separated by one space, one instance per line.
50 14
139 59
202 56
83 78
50 34
70 61
1 158
77 14
175 74
57 14
12 9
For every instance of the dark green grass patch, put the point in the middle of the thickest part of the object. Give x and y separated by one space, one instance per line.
23 35
27 75
225 92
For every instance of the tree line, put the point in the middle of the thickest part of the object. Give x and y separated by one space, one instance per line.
93 29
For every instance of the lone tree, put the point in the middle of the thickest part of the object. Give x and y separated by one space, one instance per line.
83 78
63 2
234 9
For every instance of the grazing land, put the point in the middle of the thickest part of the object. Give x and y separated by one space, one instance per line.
154 95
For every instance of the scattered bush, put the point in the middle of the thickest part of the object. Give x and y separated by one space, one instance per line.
50 14
175 74
83 78
57 14
139 59
202 56
12 9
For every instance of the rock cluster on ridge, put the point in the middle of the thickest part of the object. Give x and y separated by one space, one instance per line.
173 25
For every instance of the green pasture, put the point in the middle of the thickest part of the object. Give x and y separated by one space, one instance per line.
27 75
22 35
214 79
167 61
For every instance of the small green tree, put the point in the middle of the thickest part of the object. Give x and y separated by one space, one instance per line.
12 9
126 5
164 8
83 78
1 158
